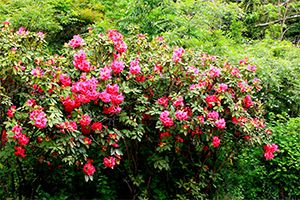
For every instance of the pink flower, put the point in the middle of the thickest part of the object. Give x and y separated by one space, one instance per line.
117 98
200 118
213 115
222 88
221 123
177 54
104 96
22 31
181 115
253 68
216 141
255 80
105 73
11 111
134 67
117 66
178 101
163 101
42 35
212 99
112 89
270 149
85 120
80 61
166 121
76 41
37 72
13 49
5 23
110 162
89 169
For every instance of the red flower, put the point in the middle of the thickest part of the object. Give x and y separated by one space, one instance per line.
89 169
216 141
20 151
110 162
97 126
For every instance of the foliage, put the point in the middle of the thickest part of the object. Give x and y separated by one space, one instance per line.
277 178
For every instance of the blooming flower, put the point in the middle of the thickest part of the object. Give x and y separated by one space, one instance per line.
117 66
216 141
85 120
177 54
164 117
20 152
110 162
134 67
96 126
181 115
89 169
221 123
76 41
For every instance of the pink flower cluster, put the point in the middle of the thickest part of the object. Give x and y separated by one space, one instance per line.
80 61
22 31
71 126
166 121
177 54
110 162
178 101
105 73
42 35
86 89
212 99
64 80
39 117
89 169
23 140
37 72
220 123
76 41
70 104
11 111
117 66
134 67
222 88
85 120
216 141
251 68
181 115
212 72
111 95
270 149
247 101
163 101
193 70
117 39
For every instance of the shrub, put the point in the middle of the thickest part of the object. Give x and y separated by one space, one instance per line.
140 112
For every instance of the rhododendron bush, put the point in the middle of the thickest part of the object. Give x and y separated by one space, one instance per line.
148 114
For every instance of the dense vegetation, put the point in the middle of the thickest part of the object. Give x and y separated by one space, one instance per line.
151 160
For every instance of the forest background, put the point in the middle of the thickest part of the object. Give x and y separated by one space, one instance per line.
265 31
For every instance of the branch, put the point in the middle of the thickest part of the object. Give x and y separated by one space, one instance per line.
273 22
